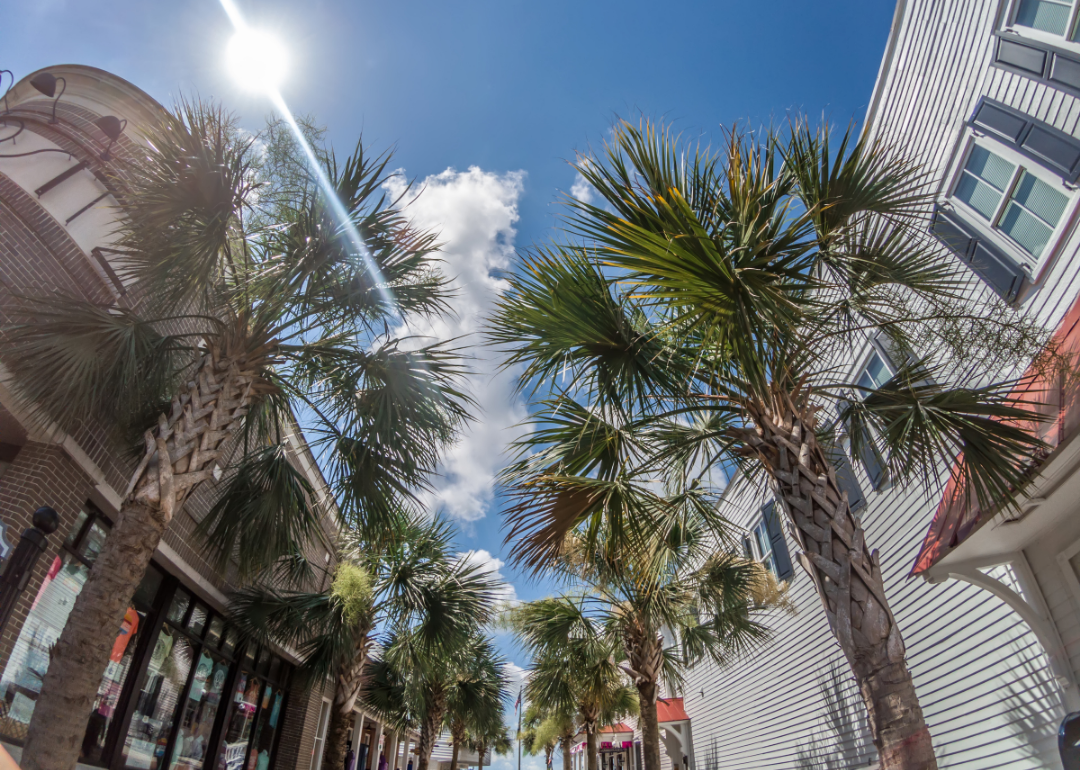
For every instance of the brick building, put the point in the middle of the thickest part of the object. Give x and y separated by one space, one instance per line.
180 686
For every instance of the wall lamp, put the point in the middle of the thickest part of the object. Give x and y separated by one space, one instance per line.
112 127
46 84
6 121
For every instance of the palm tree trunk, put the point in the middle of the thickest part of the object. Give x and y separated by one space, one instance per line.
429 727
180 453
650 726
592 747
349 681
847 575
337 738
644 662
457 735
567 759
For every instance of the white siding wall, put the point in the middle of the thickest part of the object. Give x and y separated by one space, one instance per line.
982 677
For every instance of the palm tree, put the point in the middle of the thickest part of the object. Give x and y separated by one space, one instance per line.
231 322
475 698
549 726
537 735
434 676
708 297
703 599
408 578
494 736
575 670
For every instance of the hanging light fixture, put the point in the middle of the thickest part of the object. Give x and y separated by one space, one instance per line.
45 83
112 127
5 119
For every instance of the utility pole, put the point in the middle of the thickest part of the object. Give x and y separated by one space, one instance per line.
520 709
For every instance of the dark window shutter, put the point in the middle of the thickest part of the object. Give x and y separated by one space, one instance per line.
1065 72
949 232
779 542
998 121
1004 275
872 462
1059 153
1040 141
1022 57
845 477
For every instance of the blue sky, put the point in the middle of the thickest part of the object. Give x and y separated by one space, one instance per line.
485 101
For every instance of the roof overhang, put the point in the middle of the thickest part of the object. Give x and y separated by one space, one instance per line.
962 531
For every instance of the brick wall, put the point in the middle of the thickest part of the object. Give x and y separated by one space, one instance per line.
42 474
38 258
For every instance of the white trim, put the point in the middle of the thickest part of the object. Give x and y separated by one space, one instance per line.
1033 610
1064 563
321 726
1010 26
885 68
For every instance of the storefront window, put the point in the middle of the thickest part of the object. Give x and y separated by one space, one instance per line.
202 705
29 661
245 703
151 724
257 710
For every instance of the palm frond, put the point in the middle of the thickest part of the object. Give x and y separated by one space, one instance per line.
266 510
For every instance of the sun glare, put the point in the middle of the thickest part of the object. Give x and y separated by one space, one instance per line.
257 60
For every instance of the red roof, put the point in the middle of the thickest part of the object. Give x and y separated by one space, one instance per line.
957 517
670 710
621 727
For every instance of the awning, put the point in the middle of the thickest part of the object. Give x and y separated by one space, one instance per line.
955 519
670 710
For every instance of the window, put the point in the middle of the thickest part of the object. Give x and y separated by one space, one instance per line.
1055 17
874 374
29 661
1012 199
765 543
320 735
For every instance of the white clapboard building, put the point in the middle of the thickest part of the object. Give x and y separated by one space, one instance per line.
985 96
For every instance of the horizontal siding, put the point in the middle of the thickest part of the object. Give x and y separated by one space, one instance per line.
982 677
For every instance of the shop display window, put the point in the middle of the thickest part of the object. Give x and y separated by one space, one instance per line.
20 684
258 706
182 691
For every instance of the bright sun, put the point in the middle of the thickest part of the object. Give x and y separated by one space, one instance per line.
257 60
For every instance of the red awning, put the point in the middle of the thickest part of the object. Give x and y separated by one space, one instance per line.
621 727
670 710
955 520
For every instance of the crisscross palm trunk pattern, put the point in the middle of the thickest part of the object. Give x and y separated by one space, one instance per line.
845 572
182 452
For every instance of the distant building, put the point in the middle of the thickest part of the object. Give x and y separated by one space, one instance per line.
180 692
985 96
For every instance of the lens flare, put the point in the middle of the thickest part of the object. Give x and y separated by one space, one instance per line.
257 60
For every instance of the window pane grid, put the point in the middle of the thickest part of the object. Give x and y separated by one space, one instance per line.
984 180
1033 212
1046 15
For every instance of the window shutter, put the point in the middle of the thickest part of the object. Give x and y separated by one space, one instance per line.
1040 141
845 478
1058 152
1040 61
872 462
1004 275
779 542
1022 57
998 121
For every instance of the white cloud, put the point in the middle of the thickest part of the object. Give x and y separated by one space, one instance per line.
582 190
473 213
505 593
